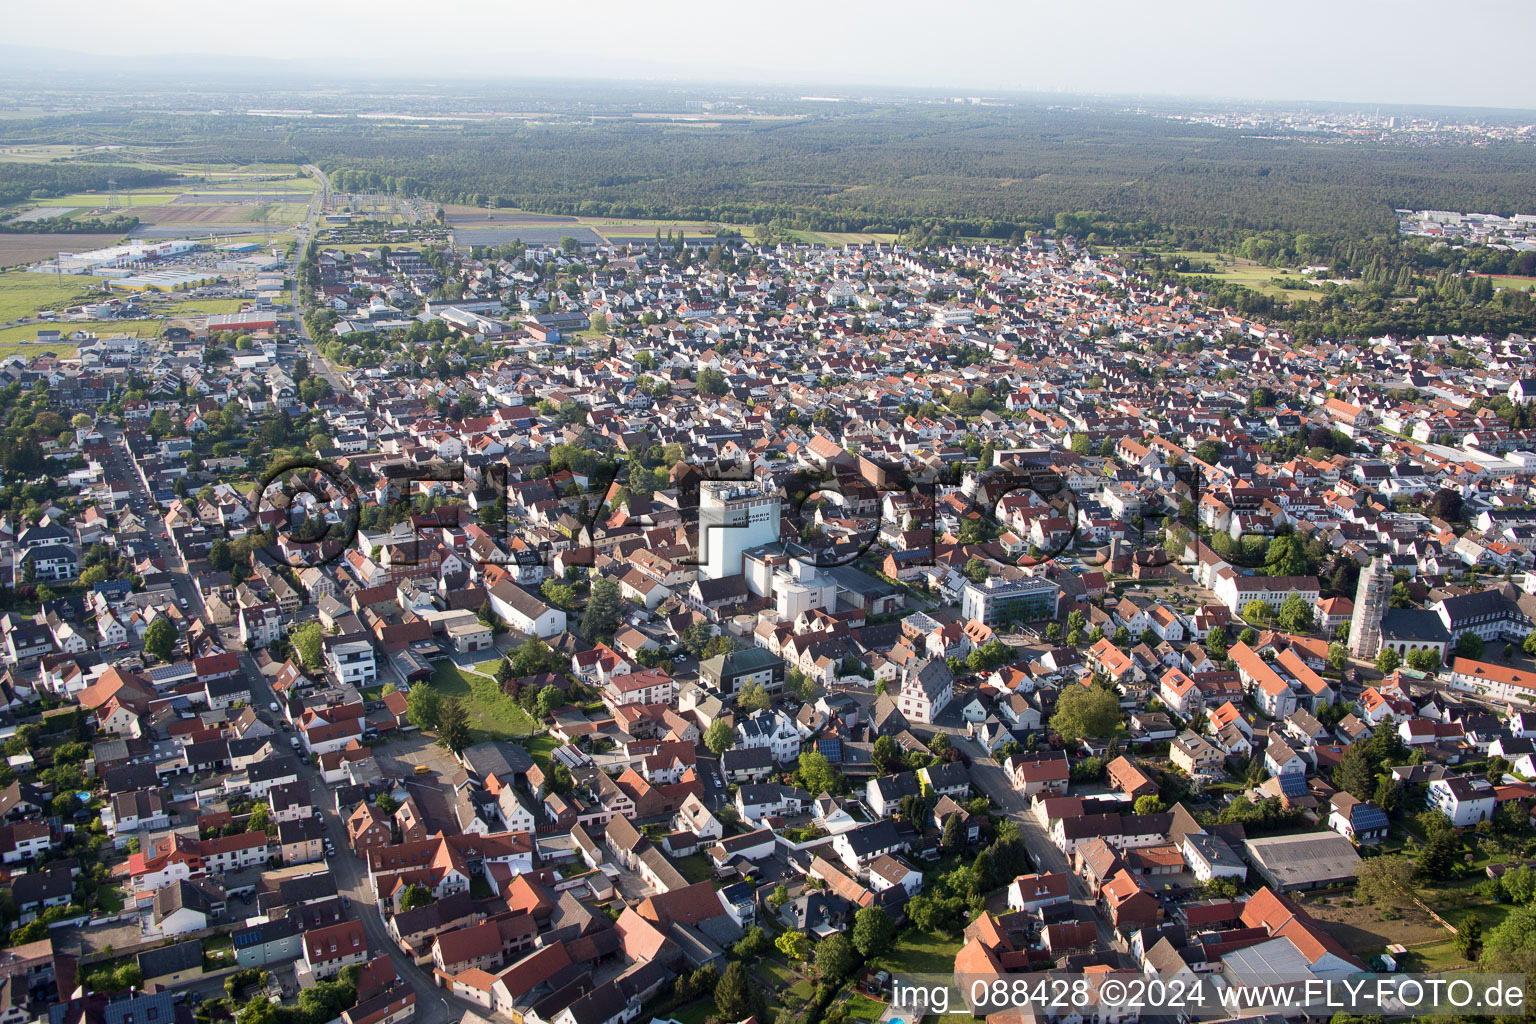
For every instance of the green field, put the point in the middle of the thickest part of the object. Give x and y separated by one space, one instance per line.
1248 274
196 307
1507 281
96 200
492 713
23 293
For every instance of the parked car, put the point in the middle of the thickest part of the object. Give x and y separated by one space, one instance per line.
421 769
273 707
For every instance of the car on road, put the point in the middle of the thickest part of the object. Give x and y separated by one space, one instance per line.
125 647
272 707
295 741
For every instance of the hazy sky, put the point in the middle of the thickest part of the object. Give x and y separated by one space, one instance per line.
1369 51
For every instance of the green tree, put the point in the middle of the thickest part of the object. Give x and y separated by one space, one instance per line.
558 779
719 737
753 697
1150 804
453 725
734 993
602 615
872 931
835 957
1338 656
1388 661
1469 645
817 775
423 705
1469 937
416 895
753 944
795 945
886 756
550 698
160 639
1286 557
1084 711
308 643
952 837
1356 774
260 819
1295 615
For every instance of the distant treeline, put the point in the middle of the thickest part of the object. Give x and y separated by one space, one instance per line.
70 226
19 181
927 173
934 174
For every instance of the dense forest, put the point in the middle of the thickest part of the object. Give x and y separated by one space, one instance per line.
921 171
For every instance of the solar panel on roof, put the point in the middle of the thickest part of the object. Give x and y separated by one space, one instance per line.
1293 784
1370 818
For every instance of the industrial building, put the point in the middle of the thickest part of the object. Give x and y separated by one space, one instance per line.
117 256
733 516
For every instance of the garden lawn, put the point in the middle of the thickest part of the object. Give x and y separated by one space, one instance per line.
695 1012
917 952
492 713
695 867
863 1007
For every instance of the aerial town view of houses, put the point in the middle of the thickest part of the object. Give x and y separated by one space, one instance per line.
699 628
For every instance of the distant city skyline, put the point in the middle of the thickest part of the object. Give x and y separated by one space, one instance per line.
1365 52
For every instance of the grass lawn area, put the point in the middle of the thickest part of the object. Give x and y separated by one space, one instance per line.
541 747
695 867
917 952
1249 274
488 668
492 713
695 1012
98 200
1455 900
864 1008
1508 281
13 336
109 899
1433 956
201 307
23 293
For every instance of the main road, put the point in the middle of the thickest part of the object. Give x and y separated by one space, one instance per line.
989 777
317 362
433 1004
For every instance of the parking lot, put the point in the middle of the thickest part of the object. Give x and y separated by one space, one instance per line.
414 748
